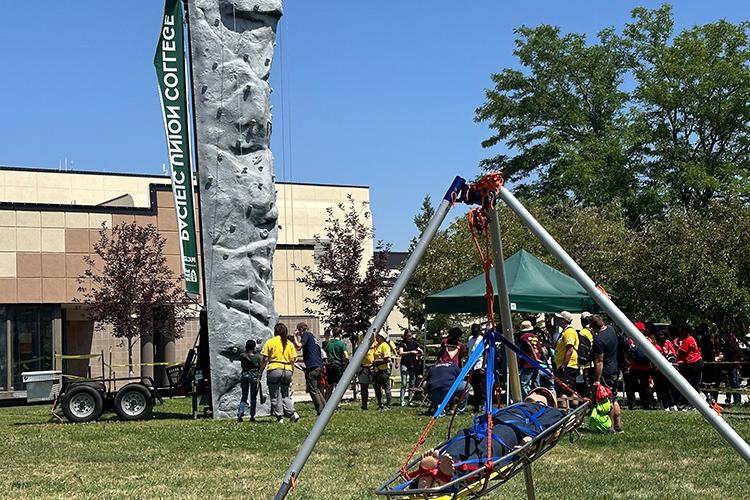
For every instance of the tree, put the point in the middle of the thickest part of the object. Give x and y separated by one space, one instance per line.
692 265
448 260
598 238
412 300
651 119
346 292
563 116
692 107
129 286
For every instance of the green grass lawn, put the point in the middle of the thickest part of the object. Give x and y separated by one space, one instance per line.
661 455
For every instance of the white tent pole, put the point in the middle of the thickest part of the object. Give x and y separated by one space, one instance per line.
601 298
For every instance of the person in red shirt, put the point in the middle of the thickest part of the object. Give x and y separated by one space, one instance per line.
689 359
637 373
452 350
664 389
532 346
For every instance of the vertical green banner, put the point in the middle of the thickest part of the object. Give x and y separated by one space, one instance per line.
170 70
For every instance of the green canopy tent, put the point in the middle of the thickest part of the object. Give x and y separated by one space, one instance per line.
533 286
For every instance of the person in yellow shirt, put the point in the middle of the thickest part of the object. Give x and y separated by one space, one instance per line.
278 355
566 356
364 377
381 369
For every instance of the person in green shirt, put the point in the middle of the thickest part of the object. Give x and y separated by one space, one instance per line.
336 359
251 363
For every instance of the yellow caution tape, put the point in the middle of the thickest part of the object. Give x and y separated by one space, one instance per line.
160 363
91 356
78 356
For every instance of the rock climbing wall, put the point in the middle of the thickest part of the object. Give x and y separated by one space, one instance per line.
232 48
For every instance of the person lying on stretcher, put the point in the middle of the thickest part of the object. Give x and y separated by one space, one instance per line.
512 427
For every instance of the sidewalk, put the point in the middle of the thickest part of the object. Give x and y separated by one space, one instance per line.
303 397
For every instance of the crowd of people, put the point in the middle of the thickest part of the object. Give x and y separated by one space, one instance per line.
598 354
581 360
323 363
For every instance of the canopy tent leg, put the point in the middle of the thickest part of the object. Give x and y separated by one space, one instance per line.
601 298
505 319
356 361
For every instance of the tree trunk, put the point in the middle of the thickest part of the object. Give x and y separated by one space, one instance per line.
232 45
165 353
130 357
147 357
355 385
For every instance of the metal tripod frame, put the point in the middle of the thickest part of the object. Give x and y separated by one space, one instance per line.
456 194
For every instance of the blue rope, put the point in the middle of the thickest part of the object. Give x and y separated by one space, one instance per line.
490 371
518 352
473 358
541 411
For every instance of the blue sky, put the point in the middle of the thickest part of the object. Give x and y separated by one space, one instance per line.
375 94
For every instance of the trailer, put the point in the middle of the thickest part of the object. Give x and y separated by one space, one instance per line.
86 399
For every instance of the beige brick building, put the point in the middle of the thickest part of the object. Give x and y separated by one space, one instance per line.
50 220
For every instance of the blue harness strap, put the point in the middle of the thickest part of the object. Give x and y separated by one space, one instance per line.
479 437
521 422
479 429
403 485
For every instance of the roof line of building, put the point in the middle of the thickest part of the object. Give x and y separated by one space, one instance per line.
163 177
107 209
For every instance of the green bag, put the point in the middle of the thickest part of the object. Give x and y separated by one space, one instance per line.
599 420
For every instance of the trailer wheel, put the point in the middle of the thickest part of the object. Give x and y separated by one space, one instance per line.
134 402
82 403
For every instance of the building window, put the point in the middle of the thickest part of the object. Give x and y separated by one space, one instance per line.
26 342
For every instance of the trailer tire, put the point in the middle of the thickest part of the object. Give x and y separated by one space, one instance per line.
134 402
82 403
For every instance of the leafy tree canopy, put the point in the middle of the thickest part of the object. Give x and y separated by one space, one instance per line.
633 150
689 265
647 117
448 260
693 265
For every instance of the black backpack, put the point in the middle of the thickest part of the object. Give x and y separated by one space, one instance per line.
637 355
584 349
